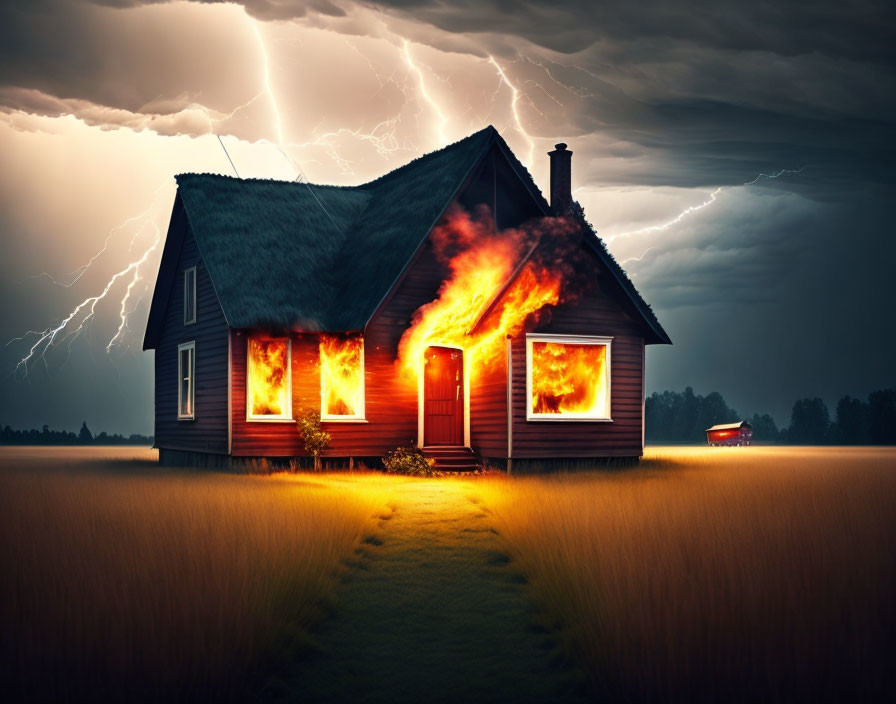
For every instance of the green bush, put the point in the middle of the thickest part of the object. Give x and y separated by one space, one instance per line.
315 439
408 459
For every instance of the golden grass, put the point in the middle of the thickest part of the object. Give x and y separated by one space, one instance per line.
717 574
124 580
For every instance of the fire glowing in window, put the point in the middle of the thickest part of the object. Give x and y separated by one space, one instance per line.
568 378
341 378
268 383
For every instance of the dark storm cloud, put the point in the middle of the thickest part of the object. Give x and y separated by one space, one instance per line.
700 143
856 30
649 95
708 93
801 308
118 60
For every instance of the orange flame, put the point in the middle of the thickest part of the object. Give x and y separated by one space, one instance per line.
341 376
480 262
569 378
268 377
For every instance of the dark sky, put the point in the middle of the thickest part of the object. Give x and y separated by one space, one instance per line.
738 158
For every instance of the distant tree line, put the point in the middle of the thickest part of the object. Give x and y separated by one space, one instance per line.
671 416
45 436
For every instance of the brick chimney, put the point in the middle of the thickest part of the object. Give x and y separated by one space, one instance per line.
561 179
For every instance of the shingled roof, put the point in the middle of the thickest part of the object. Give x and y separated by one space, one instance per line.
322 258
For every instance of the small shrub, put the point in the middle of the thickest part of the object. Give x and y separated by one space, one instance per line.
315 439
408 459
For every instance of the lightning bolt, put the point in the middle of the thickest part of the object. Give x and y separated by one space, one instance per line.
383 137
79 317
123 312
777 174
84 268
272 98
421 84
514 107
48 337
674 221
692 209
214 117
71 326
578 92
639 258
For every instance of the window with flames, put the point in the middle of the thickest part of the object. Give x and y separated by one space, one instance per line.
269 379
567 378
341 378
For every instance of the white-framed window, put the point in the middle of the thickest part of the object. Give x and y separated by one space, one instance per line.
269 378
186 381
568 378
190 296
341 378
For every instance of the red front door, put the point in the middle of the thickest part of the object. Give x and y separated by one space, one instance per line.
443 396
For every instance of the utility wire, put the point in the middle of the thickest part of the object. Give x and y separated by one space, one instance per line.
302 178
221 142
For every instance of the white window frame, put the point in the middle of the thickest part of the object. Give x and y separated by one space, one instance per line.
192 380
574 340
361 416
286 416
190 316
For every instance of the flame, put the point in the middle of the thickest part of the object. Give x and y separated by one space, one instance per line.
268 377
480 262
569 378
341 376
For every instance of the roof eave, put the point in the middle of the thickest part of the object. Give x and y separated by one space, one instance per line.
156 317
413 258
660 335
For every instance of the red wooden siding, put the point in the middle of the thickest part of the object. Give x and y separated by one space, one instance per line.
208 431
593 314
488 411
390 401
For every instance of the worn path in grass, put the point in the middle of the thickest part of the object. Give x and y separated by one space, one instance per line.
432 612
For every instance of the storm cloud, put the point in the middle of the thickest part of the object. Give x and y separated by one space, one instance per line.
666 107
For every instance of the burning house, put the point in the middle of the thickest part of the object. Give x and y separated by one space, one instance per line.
446 303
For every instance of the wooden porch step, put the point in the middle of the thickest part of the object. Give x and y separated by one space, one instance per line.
453 459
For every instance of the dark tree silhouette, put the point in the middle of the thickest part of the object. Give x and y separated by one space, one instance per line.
764 428
851 424
684 417
45 436
809 422
85 436
672 416
882 417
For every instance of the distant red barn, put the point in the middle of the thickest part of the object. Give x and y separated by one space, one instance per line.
730 434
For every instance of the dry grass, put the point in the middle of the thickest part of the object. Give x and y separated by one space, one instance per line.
122 580
717 574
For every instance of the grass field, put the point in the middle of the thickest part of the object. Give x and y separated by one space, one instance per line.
755 574
705 574
123 581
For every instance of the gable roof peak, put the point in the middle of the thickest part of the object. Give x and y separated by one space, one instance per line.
280 252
